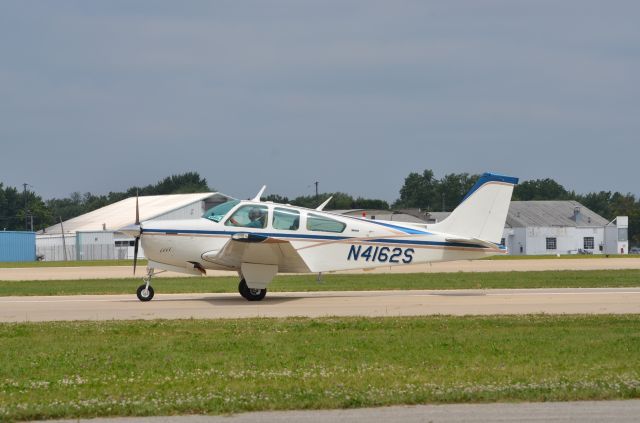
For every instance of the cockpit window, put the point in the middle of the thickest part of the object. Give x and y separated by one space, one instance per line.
218 212
250 216
316 222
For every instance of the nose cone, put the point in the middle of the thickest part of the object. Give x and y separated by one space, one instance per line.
131 230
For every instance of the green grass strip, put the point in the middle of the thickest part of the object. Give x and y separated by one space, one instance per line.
338 282
89 369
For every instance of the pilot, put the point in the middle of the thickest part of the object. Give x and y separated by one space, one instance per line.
257 218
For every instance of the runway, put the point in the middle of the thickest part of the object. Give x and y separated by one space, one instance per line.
111 272
320 304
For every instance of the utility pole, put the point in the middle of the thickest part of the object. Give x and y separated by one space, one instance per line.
316 184
64 243
26 212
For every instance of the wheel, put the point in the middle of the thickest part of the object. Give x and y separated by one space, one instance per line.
143 293
251 294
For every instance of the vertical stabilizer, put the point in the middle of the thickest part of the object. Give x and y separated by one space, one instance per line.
483 211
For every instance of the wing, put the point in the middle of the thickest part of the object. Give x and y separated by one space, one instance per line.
258 249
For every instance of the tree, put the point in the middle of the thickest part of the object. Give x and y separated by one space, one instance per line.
431 194
453 187
419 191
369 203
276 199
540 189
16 208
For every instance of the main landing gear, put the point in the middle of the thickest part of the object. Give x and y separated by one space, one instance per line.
250 294
145 291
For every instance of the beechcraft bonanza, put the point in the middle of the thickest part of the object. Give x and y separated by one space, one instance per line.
260 239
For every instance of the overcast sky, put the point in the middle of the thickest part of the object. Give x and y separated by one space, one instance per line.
102 95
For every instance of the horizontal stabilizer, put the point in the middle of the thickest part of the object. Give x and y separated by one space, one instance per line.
473 242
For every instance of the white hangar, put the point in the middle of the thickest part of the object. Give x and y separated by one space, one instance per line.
562 227
94 235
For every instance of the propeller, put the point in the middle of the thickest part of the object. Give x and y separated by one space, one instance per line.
137 241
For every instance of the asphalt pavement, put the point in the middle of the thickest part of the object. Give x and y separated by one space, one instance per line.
549 412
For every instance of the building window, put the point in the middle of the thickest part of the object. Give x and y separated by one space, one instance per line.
588 243
623 234
551 244
502 241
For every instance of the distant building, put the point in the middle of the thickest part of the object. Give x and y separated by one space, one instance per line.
411 216
17 246
562 227
94 235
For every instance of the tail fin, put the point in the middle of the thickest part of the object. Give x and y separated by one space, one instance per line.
483 211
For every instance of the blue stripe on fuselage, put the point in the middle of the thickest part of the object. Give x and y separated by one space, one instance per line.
229 233
312 237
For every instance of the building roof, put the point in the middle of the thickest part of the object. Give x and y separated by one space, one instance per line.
381 215
123 213
552 213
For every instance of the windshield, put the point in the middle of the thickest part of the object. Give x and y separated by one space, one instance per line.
218 212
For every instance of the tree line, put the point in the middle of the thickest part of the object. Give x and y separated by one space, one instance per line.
425 191
420 190
16 207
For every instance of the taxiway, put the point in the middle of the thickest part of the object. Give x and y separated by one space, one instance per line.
319 304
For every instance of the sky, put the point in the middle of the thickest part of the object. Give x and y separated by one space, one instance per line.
100 96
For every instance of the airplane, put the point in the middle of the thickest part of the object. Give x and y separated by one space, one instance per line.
260 239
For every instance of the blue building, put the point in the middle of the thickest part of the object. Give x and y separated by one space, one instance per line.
17 246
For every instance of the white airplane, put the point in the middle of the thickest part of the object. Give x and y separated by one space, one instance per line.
260 239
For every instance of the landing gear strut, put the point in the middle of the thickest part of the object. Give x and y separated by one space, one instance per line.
145 291
250 294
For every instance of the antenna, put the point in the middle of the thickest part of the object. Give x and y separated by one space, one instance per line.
259 194
321 206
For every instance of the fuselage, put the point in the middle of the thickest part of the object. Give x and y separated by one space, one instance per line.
324 241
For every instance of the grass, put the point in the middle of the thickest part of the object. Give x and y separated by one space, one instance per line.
73 263
338 282
90 369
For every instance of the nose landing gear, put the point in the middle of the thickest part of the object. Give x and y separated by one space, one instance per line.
145 291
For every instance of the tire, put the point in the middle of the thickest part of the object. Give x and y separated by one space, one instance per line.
144 296
251 294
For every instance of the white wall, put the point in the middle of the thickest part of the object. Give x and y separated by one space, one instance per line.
95 246
515 238
613 244
533 240
51 247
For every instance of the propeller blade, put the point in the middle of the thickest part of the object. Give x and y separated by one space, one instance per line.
137 210
135 253
137 242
